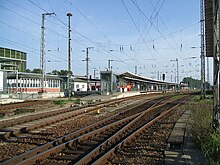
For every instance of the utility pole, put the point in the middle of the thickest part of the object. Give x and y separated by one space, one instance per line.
177 71
94 73
109 65
69 55
202 20
177 68
42 50
87 66
135 69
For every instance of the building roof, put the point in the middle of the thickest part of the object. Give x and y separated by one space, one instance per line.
209 28
131 76
12 74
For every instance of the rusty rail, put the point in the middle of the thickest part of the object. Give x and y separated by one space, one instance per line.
130 138
52 148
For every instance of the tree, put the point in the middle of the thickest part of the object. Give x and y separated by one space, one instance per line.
36 70
192 83
28 70
61 72
54 72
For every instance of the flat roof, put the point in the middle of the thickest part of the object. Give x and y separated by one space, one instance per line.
12 74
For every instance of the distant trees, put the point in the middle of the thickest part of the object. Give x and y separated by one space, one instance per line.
61 72
36 70
54 72
193 83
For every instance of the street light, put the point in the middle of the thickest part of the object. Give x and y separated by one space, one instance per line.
69 60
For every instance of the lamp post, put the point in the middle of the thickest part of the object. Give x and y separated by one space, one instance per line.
69 65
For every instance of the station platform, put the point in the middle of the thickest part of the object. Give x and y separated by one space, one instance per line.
181 148
110 96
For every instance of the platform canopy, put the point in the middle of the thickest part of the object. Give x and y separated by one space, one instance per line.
211 27
131 76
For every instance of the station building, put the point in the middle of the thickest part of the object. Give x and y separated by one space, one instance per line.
12 60
31 83
128 81
14 79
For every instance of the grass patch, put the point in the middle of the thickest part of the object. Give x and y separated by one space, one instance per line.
22 111
60 102
177 96
77 101
204 136
211 148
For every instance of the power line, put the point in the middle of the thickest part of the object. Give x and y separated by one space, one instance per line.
150 17
20 15
135 25
155 27
32 37
38 6
171 33
96 27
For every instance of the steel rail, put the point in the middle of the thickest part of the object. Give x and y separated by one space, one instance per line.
11 122
41 155
59 116
36 153
51 148
134 135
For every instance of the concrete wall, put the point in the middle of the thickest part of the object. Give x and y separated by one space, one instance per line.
3 82
80 86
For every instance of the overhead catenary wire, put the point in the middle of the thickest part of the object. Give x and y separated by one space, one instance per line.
156 28
84 41
148 22
135 25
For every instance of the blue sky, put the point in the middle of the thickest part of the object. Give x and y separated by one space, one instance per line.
146 33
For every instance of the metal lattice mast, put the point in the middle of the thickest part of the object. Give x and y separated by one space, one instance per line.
202 22
42 51
87 66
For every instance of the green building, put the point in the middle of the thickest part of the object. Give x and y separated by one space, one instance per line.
12 60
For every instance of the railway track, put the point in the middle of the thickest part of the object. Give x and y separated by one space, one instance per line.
35 121
146 145
85 145
10 109
5 107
